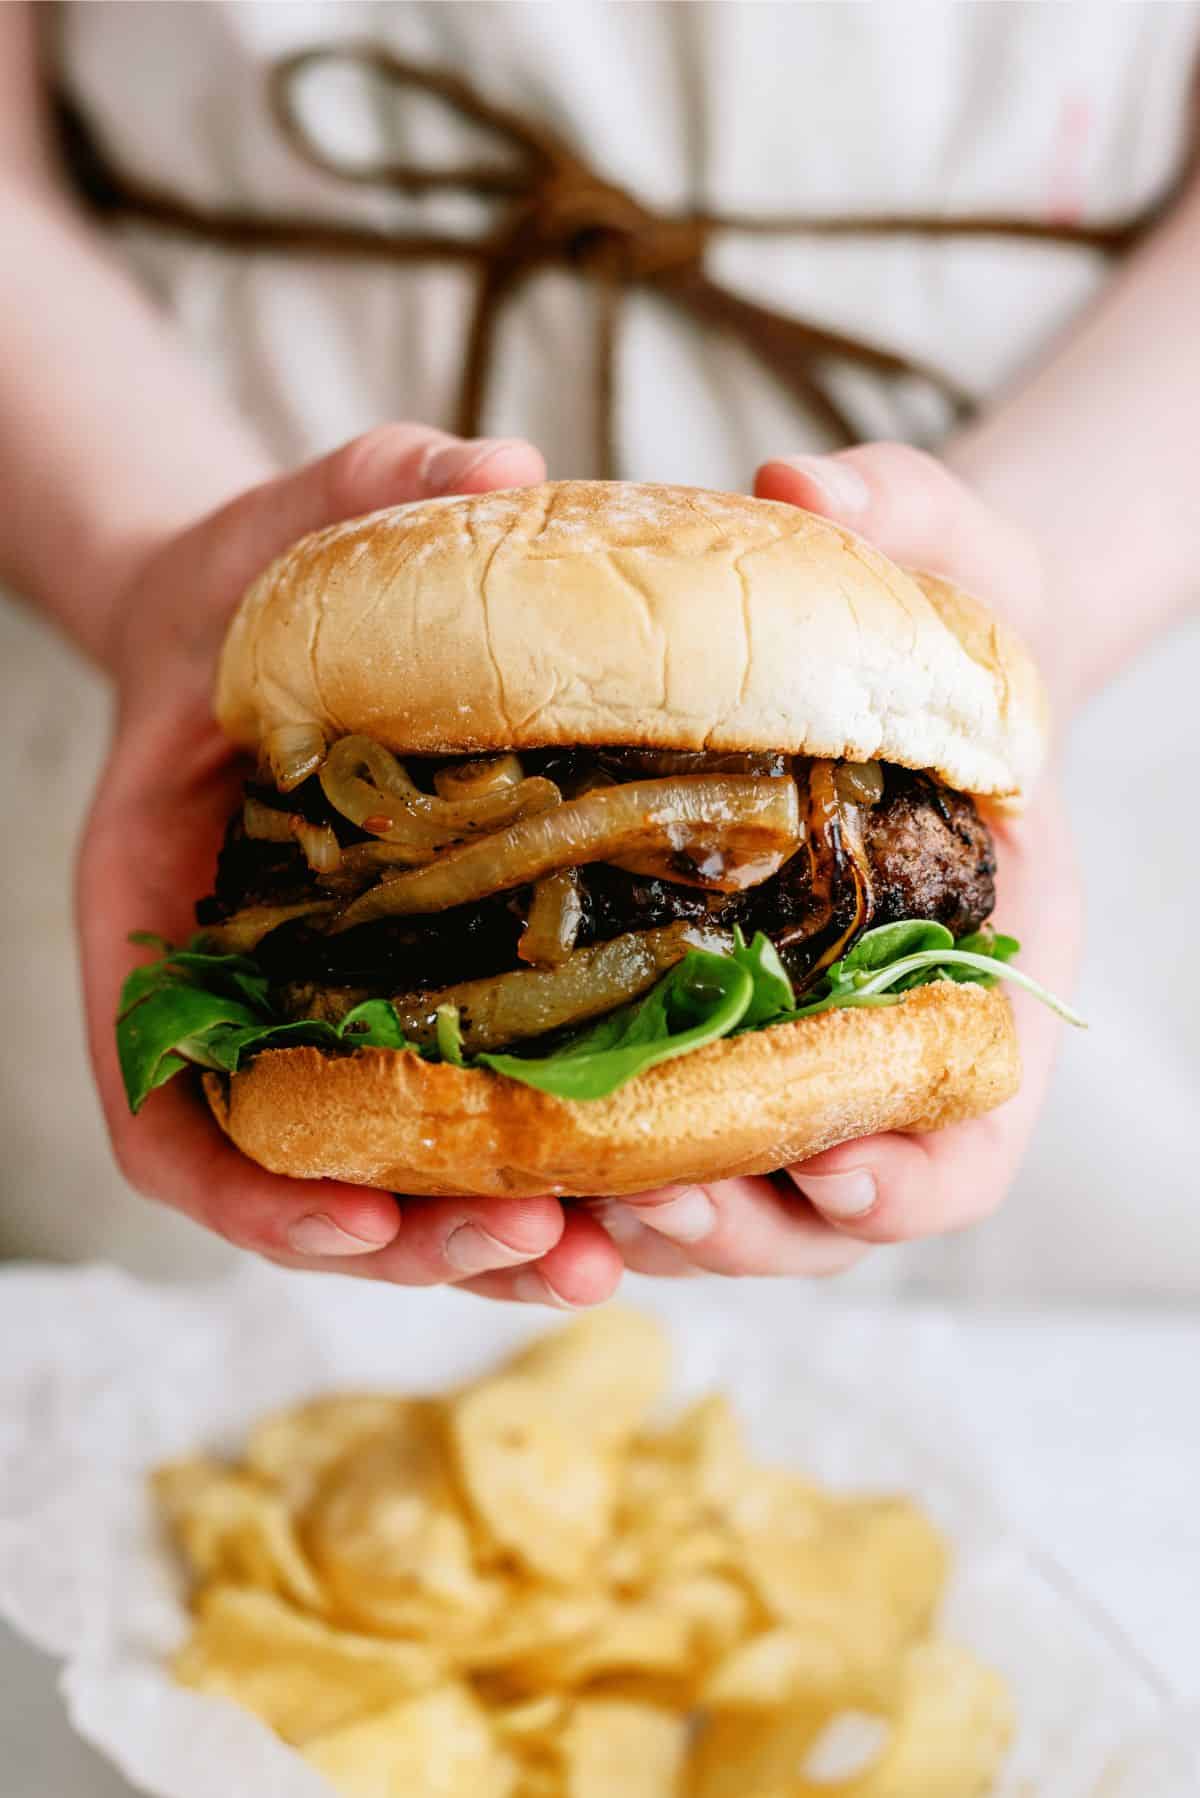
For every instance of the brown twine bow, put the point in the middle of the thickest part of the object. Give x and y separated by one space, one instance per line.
557 211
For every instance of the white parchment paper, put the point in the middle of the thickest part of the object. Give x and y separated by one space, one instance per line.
102 1377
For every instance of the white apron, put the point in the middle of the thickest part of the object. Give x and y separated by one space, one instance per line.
1040 111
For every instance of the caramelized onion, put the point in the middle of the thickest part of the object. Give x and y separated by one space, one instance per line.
472 780
264 824
321 849
859 783
555 914
509 1008
699 860
246 929
365 782
837 864
293 752
742 814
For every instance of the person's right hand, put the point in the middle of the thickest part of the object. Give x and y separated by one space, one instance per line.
149 852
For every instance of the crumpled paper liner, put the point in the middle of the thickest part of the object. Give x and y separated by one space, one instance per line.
104 1377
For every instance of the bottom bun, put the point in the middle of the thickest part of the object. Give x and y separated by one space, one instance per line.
745 1105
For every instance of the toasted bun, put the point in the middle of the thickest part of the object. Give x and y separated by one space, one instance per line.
605 612
745 1105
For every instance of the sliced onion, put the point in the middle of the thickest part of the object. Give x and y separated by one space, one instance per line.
362 863
365 782
555 915
509 1008
701 861
246 928
472 780
322 850
859 783
838 862
293 752
744 814
264 824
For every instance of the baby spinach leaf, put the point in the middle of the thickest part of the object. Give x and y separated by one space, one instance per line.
772 988
701 999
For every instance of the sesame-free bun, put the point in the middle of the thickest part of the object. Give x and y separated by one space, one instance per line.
744 1105
612 613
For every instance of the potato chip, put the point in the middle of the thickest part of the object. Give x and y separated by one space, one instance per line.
532 1722
638 1638
230 1527
823 1665
532 1621
294 1449
613 1748
294 1671
387 1536
440 1745
541 1490
810 1561
719 1610
606 1371
756 1756
525 1591
949 1738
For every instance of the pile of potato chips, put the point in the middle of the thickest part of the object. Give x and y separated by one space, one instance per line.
524 1589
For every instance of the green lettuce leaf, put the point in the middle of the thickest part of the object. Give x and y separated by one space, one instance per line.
703 997
212 1011
772 992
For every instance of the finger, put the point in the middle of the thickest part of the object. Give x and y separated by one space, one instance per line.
388 466
897 1188
583 1268
173 1151
643 1250
745 1226
911 507
448 1242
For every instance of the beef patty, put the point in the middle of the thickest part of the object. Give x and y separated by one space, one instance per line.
930 856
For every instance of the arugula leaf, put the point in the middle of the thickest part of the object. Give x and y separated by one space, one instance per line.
772 989
888 942
372 1025
448 1027
702 998
168 1026
212 1011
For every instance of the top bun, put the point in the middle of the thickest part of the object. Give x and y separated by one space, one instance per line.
648 616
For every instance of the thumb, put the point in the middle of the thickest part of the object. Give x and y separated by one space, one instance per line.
386 467
909 505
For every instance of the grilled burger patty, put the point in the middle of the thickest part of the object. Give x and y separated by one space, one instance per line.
929 852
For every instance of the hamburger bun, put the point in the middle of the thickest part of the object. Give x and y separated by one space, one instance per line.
744 1105
586 612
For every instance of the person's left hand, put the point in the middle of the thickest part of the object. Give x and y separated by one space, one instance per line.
823 1215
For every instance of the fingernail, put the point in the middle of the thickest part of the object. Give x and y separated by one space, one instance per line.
689 1218
445 466
319 1235
471 1250
839 1196
532 1288
621 1221
840 484
651 1253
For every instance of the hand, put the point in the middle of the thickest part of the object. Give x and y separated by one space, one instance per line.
150 849
823 1216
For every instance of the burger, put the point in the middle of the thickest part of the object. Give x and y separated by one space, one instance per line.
599 835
